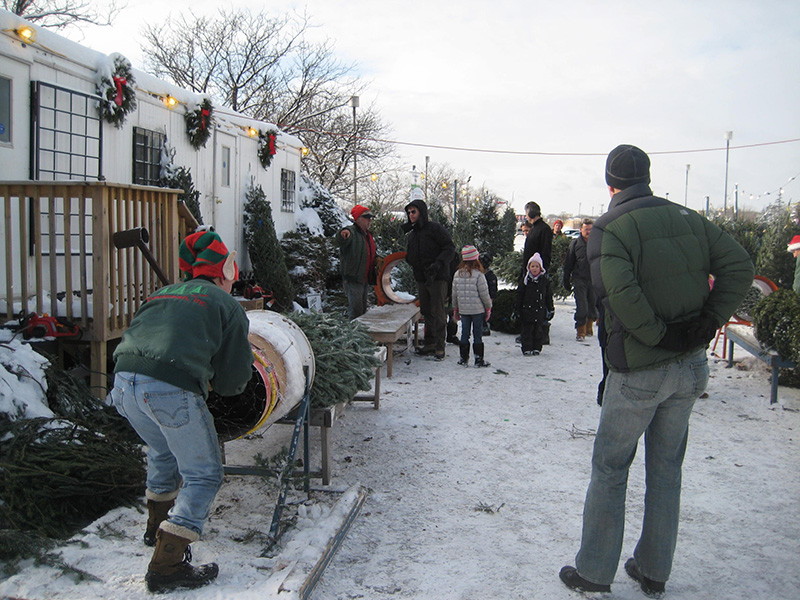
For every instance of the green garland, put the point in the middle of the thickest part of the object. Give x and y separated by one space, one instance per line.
117 93
198 124
267 146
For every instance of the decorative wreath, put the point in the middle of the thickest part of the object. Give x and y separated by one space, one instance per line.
198 124
117 94
266 146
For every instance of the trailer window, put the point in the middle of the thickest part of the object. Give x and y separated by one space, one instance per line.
226 166
287 190
5 110
147 147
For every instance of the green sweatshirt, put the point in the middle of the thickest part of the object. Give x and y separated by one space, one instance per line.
189 334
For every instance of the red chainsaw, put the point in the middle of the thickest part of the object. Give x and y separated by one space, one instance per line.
39 326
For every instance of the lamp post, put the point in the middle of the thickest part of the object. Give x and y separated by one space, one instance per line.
455 199
427 160
728 137
686 192
354 103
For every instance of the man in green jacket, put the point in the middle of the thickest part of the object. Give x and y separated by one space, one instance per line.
650 263
185 337
357 260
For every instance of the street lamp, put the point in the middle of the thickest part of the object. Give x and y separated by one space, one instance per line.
427 160
686 193
728 137
354 103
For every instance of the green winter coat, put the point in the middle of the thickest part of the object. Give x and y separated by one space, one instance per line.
354 255
190 334
650 263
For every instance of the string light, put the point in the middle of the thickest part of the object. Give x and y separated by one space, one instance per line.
26 33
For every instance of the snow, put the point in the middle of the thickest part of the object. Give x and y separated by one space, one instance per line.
476 480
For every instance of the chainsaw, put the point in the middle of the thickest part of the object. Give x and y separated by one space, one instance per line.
39 326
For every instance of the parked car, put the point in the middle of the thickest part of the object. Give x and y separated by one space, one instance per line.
573 233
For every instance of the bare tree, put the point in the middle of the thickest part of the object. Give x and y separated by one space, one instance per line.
58 14
264 67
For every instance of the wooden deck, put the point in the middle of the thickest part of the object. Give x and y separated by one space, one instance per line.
58 257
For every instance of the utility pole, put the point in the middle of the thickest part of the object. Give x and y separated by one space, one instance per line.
455 199
686 193
427 160
354 103
728 137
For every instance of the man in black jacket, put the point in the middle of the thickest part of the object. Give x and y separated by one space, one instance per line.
578 275
430 251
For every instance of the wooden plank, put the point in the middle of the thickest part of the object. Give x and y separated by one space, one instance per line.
22 248
9 256
67 200
84 271
37 241
52 248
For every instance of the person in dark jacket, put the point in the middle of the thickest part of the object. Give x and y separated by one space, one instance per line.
540 239
578 276
650 261
534 306
491 281
430 252
186 337
357 259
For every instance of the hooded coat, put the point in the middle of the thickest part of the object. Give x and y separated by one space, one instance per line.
430 250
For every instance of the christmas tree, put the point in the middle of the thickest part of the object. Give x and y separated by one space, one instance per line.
266 255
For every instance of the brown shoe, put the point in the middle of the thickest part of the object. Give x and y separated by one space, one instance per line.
589 331
169 569
580 333
158 506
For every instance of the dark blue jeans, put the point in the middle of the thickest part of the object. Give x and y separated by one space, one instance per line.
474 322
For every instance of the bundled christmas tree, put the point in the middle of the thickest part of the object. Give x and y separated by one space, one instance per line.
266 255
344 356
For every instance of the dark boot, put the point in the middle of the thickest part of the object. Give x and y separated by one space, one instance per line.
478 350
464 349
546 333
169 569
158 506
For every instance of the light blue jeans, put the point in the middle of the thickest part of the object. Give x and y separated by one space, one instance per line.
474 323
658 403
182 443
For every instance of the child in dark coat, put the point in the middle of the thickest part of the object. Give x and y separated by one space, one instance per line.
534 305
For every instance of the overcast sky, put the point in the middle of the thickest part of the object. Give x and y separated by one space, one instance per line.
544 81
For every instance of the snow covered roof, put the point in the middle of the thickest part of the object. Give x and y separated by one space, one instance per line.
48 44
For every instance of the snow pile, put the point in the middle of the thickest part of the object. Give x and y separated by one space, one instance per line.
22 380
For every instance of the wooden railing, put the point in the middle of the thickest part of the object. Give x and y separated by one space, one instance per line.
58 254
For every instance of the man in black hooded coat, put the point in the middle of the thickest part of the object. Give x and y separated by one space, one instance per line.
430 251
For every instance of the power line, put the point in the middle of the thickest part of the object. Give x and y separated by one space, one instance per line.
530 152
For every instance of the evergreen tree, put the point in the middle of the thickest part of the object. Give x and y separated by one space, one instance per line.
315 196
463 231
387 229
773 261
313 263
266 255
179 178
508 230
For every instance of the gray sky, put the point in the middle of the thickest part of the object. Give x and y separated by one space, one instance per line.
561 83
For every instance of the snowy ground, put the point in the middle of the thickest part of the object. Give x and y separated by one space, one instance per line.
476 481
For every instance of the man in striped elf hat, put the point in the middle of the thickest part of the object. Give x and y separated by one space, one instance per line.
186 337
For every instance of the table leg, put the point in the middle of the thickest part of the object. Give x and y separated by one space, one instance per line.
389 358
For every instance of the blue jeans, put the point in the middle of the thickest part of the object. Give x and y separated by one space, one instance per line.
657 403
474 322
182 443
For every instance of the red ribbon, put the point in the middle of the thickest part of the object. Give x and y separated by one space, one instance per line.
203 114
272 144
119 82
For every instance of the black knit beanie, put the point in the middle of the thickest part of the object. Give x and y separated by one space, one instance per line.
627 165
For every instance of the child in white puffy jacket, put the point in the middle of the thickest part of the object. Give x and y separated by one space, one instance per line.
471 303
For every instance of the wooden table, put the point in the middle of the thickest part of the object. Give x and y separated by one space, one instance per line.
386 324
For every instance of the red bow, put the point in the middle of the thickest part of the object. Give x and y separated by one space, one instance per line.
119 82
203 114
271 138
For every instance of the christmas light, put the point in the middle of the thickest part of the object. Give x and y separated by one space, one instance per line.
304 151
252 132
27 33
170 101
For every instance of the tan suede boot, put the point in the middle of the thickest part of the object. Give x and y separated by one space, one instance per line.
589 331
169 569
580 333
158 506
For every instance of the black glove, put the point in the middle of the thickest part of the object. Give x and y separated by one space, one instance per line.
686 335
548 315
